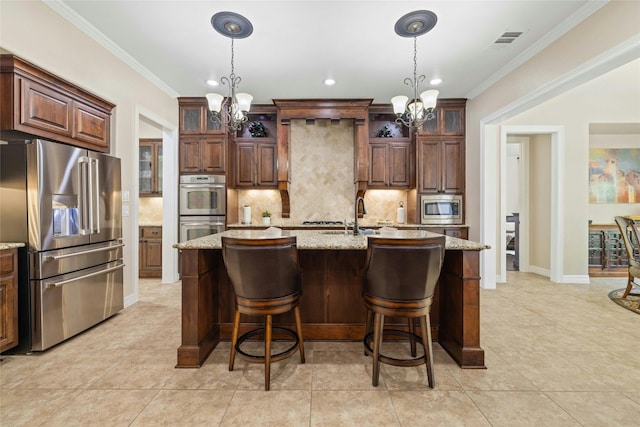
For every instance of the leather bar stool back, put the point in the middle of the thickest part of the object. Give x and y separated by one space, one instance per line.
399 280
267 281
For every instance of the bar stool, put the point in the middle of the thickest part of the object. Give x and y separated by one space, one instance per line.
267 281
399 280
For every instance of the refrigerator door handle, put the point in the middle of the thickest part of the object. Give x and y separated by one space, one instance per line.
57 257
94 193
83 196
75 279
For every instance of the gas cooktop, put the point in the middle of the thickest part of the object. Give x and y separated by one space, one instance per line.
323 223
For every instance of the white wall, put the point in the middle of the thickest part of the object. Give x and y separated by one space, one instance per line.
576 110
576 57
34 32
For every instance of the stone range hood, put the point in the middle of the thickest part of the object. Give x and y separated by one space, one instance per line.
315 109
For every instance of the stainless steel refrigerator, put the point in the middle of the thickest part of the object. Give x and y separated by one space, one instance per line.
64 202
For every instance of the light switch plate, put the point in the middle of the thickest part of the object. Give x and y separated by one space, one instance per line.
125 210
125 196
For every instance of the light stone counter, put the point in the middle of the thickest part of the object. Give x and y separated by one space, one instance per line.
319 239
365 224
7 245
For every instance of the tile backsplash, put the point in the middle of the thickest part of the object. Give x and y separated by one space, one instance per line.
150 211
322 179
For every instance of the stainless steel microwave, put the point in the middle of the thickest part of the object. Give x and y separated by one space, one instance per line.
441 209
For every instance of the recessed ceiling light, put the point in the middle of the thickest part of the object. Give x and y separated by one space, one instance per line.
329 82
435 82
212 82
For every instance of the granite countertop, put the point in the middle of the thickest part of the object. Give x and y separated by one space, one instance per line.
365 224
317 239
8 245
149 224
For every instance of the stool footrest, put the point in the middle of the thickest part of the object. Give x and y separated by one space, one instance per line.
416 361
252 358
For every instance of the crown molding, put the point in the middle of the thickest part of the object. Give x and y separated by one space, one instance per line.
587 10
92 32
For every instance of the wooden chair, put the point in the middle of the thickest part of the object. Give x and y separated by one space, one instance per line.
629 231
399 280
267 281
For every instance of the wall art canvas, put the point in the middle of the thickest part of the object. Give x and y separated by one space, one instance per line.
614 175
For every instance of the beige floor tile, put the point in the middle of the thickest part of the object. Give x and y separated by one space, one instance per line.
436 408
140 370
619 370
352 408
598 408
520 408
278 408
212 375
499 375
342 370
550 371
185 408
564 354
102 408
32 407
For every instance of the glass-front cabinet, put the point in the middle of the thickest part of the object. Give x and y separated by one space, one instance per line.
150 161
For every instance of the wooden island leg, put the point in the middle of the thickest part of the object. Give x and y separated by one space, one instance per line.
200 325
459 331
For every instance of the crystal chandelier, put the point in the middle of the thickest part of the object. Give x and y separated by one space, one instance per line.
232 110
413 112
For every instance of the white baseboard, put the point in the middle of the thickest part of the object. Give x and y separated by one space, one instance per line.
581 279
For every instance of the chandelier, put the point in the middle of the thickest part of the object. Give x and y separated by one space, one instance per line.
232 110
413 112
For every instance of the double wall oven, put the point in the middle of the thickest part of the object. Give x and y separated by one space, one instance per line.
202 205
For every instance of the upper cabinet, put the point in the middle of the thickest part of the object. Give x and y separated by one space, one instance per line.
150 158
441 165
196 119
448 119
390 152
202 140
441 149
40 104
202 155
255 150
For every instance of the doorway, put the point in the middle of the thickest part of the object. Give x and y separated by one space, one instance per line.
545 221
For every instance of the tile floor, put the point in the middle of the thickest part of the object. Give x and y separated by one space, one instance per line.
557 355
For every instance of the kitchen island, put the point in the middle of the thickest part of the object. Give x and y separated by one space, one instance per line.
331 306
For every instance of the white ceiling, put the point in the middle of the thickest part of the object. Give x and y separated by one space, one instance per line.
295 45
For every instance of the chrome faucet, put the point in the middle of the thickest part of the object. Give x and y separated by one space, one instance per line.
356 230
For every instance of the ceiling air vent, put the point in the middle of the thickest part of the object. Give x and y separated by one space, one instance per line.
508 37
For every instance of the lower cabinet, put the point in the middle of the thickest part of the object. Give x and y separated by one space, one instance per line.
8 299
607 254
150 252
453 231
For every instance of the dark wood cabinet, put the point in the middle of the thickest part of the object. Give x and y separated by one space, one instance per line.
196 119
390 163
150 252
202 155
202 140
255 163
8 299
255 150
449 119
150 170
37 103
607 253
391 157
441 165
453 231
